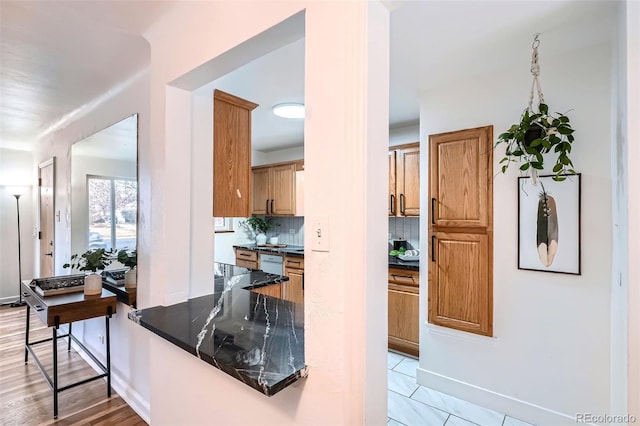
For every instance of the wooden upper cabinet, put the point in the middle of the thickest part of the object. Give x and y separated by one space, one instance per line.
274 189
460 178
392 184
231 155
460 290
404 180
260 190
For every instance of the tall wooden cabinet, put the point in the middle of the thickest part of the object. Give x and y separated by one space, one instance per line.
404 180
293 290
461 230
231 155
274 189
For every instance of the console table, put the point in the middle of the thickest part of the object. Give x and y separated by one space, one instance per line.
65 309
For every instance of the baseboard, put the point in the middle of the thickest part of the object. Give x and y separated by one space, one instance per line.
513 407
8 300
122 388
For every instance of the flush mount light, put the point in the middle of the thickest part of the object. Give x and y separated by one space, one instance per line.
289 110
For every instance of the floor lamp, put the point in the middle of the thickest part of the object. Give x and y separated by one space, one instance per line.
17 193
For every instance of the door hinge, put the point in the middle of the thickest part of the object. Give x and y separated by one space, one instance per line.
39 235
39 181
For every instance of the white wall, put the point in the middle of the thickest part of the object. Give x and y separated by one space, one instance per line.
350 378
129 346
550 355
16 167
404 134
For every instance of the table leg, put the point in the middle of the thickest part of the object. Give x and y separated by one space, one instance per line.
108 357
26 336
55 372
69 339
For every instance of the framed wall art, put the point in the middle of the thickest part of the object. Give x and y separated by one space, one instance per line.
549 224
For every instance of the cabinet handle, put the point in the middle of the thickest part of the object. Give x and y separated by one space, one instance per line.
433 248
433 210
272 210
401 203
303 280
244 254
393 204
402 276
267 207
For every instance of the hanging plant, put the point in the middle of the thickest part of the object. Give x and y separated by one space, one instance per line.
539 132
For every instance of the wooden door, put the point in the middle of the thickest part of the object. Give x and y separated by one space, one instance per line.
392 184
47 226
260 191
283 190
460 290
459 285
408 181
231 155
404 323
460 178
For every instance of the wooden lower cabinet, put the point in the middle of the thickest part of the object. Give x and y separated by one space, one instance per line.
293 290
273 290
404 311
247 258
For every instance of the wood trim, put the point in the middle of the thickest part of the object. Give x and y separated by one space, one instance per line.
404 346
404 146
234 100
298 163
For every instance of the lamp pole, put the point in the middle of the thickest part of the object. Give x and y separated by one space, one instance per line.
19 302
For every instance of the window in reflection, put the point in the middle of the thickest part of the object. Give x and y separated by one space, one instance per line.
112 204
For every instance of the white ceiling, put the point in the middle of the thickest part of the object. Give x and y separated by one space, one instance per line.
58 56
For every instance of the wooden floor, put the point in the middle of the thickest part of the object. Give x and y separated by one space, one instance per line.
27 399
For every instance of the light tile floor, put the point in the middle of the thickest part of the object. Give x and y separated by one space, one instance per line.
411 404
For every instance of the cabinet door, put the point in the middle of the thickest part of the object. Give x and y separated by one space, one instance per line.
460 179
392 184
283 190
404 318
292 289
273 290
231 155
408 181
260 191
460 284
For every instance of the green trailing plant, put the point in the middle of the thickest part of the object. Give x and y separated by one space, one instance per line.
538 133
128 258
91 260
260 225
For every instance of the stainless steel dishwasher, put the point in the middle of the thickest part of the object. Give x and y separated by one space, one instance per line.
271 264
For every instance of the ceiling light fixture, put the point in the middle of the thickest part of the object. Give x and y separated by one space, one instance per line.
289 110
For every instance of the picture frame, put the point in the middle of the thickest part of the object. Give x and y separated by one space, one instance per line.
549 224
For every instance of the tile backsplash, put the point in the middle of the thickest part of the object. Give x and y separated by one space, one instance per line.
284 225
407 228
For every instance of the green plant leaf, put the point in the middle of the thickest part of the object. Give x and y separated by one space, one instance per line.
504 169
536 142
543 108
564 130
537 165
525 166
559 178
563 118
503 160
557 168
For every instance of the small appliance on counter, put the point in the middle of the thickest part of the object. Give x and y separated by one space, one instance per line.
397 243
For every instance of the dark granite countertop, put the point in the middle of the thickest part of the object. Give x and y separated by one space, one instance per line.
255 338
291 250
125 295
402 264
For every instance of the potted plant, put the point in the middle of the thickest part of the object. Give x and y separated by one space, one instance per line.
260 227
538 133
129 258
91 261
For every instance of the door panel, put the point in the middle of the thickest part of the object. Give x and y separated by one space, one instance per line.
404 323
460 287
260 191
46 208
409 181
283 181
459 178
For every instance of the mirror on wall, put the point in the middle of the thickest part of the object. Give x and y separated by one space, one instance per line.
104 196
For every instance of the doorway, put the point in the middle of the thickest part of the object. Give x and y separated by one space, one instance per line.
46 207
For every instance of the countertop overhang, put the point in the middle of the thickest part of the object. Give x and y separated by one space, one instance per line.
291 250
257 339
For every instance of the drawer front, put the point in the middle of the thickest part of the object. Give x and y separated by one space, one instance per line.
247 255
294 262
404 276
246 263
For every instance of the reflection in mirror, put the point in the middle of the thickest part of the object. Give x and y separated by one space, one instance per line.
104 194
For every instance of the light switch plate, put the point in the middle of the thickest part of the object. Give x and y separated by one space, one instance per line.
319 233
